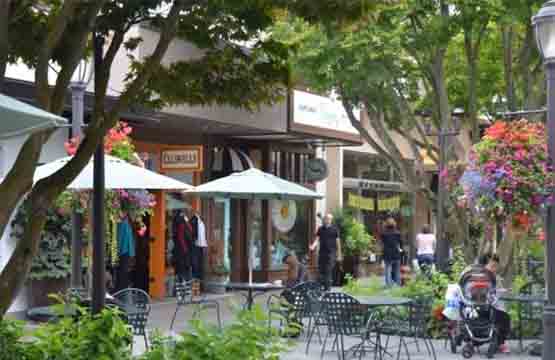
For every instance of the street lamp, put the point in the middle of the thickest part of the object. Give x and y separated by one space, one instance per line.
544 24
444 133
80 80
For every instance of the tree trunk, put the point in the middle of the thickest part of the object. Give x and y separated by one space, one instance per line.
506 251
507 40
19 265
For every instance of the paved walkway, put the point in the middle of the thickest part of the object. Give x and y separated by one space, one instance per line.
162 313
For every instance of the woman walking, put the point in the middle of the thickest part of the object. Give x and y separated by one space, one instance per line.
425 247
391 239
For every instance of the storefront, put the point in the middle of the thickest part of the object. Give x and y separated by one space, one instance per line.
373 191
196 151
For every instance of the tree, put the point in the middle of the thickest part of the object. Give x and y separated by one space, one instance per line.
46 33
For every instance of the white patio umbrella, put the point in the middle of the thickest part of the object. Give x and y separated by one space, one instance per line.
119 175
254 184
18 118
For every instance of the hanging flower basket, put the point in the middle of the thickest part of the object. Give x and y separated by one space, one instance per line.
508 176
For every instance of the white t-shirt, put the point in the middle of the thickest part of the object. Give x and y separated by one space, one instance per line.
425 244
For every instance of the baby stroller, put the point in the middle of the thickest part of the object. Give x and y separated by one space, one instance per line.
477 324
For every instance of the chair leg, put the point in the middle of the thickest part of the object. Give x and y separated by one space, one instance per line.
146 341
406 348
174 316
432 348
218 314
342 357
309 338
324 348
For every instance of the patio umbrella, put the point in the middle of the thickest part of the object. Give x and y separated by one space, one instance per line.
254 184
18 118
119 175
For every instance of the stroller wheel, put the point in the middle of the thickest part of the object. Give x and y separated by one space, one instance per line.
467 351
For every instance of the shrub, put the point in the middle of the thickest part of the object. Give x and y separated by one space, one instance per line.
11 345
248 338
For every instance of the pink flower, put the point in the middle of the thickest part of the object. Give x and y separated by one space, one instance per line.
142 231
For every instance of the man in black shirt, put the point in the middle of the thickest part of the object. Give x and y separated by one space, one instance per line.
327 238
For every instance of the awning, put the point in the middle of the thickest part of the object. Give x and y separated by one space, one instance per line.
19 118
232 160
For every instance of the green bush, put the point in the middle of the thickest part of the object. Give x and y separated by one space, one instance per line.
356 239
247 338
11 345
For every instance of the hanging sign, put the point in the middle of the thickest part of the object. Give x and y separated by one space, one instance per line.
284 215
188 159
316 169
393 203
360 202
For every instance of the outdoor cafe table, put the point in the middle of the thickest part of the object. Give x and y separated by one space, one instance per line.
526 299
378 301
252 289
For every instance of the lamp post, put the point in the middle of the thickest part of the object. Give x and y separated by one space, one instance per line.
78 86
544 24
442 243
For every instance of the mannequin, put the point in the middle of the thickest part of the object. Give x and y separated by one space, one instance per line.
183 238
199 245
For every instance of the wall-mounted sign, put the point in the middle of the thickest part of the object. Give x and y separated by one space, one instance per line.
316 170
321 112
189 159
360 202
380 186
284 215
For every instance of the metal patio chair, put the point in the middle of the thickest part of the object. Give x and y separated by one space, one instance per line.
345 316
184 296
135 303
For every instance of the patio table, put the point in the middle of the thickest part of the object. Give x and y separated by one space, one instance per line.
526 299
252 289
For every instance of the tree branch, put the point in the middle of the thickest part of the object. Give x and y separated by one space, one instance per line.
76 49
59 24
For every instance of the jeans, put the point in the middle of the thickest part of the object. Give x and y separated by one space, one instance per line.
392 272
503 325
325 267
425 259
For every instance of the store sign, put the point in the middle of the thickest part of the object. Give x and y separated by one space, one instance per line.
189 159
316 169
390 204
380 186
360 202
321 112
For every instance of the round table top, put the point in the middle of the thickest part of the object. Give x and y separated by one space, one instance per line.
249 286
523 298
382 300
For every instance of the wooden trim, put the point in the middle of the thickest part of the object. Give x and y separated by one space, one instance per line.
157 261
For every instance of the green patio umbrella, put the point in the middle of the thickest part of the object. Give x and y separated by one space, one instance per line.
253 184
18 118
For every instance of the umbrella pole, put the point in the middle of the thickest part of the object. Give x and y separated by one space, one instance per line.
98 260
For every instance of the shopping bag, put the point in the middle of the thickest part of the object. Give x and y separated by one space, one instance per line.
452 302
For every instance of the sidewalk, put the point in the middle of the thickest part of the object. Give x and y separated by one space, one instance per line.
162 313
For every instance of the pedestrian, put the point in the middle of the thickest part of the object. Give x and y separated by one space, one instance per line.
292 269
327 238
391 239
425 247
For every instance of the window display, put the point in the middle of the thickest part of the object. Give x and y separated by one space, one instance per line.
290 227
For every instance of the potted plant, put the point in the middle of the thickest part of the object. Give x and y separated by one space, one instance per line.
219 274
356 241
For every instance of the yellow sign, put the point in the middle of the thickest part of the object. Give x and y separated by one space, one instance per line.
393 203
360 202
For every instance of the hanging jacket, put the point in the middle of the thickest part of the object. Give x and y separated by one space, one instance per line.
126 241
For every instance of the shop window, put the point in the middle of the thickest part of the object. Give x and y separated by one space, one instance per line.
176 205
290 230
254 232
220 248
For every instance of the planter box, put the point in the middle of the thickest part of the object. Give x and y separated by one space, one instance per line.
38 291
